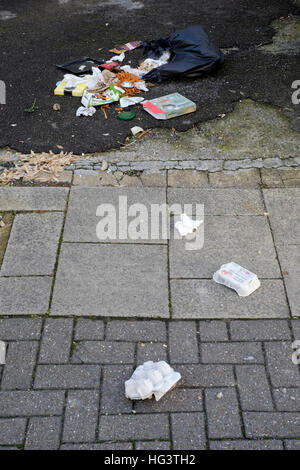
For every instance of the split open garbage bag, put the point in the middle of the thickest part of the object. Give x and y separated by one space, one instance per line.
192 54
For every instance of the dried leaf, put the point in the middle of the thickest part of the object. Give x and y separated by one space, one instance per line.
43 166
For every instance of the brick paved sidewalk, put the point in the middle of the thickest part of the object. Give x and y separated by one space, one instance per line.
79 315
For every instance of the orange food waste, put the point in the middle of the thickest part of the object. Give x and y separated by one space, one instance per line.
128 77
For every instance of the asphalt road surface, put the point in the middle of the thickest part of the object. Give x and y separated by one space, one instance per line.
37 34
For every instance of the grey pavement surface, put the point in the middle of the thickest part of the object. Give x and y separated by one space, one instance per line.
79 314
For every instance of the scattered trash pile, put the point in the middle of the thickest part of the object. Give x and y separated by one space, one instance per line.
157 378
185 53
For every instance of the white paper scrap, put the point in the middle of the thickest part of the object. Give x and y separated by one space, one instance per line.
187 225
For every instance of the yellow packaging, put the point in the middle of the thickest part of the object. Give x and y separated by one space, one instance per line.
75 91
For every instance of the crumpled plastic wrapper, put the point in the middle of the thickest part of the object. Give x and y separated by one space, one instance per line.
104 80
128 69
186 225
117 58
148 65
112 94
97 82
83 111
130 100
141 86
151 378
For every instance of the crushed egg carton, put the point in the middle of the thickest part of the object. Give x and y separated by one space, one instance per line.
151 378
2 352
236 277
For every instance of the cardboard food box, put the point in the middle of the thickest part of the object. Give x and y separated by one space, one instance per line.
169 106
61 89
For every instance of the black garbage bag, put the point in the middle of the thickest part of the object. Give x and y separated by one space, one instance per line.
192 54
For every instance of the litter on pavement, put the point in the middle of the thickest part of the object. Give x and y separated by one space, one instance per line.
136 130
130 101
192 54
79 66
129 46
2 352
169 106
151 378
82 111
187 53
104 165
186 225
236 277
126 115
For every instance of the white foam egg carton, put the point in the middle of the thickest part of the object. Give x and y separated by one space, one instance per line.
236 277
151 378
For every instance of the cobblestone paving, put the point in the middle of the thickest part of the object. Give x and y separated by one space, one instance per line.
79 315
62 385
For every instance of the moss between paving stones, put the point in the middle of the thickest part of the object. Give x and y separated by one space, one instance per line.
250 132
253 130
287 36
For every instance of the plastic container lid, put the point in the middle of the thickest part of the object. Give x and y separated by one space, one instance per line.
126 115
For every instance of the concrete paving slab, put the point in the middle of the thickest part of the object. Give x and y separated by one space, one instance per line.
206 299
283 206
247 240
24 295
246 445
219 201
82 220
32 245
286 230
289 257
283 201
32 199
111 280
